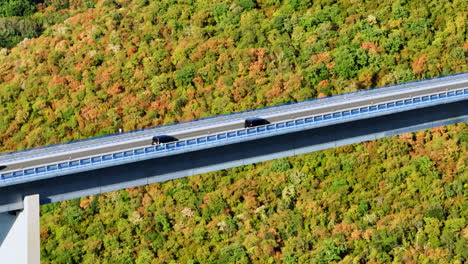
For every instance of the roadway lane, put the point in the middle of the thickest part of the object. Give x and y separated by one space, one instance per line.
138 135
146 142
230 122
355 104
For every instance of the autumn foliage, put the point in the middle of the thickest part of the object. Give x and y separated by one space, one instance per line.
93 67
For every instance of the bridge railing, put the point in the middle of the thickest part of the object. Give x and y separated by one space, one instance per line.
230 137
120 137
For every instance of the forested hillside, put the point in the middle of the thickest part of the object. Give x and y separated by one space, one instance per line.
92 67
24 19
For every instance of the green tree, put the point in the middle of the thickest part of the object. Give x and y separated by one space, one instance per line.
10 8
247 4
330 252
346 64
144 256
185 74
233 254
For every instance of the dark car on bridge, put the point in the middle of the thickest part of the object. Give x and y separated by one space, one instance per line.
162 139
255 121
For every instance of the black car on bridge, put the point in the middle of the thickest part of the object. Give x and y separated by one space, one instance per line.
255 121
162 139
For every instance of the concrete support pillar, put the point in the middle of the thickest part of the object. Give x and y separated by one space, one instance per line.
19 234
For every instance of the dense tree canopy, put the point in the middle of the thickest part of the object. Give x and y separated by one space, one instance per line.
20 20
88 68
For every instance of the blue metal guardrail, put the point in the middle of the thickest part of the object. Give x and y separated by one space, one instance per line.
122 136
229 137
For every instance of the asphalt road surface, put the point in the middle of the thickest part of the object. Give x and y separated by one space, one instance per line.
99 146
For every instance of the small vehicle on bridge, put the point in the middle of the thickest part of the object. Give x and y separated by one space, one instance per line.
162 139
255 121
